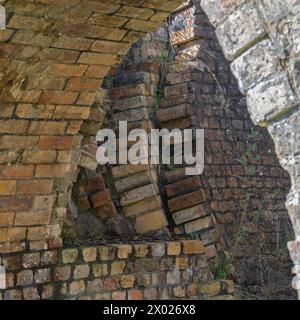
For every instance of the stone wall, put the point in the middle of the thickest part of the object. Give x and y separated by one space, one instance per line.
172 270
262 39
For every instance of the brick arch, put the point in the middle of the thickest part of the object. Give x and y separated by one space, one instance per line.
54 55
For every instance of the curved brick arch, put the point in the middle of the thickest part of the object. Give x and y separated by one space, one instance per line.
54 56
42 110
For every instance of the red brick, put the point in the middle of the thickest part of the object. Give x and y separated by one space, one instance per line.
183 186
100 198
67 70
56 142
42 186
52 170
84 84
17 171
187 200
58 97
71 112
32 218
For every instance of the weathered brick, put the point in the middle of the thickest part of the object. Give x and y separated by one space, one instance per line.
187 200
135 294
142 25
32 218
77 287
42 276
117 267
210 289
67 70
141 250
158 249
58 97
181 263
107 253
69 256
193 247
110 47
118 295
81 271
12 263
111 284
41 186
6 219
124 250
30 111
62 273
31 293
31 260
13 126
17 171
89 254
56 142
100 270
24 278
138 194
52 170
189 214
75 43
127 281
150 222
7 187
98 58
198 224
173 248
30 156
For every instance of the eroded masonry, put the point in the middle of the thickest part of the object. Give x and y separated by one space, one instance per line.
70 228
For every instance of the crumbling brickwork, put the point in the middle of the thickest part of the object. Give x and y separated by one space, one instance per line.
54 56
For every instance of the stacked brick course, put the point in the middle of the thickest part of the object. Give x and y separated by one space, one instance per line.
172 270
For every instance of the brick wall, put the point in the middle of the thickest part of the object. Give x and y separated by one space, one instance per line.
151 271
51 69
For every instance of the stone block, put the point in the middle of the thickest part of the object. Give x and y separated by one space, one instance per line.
242 27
